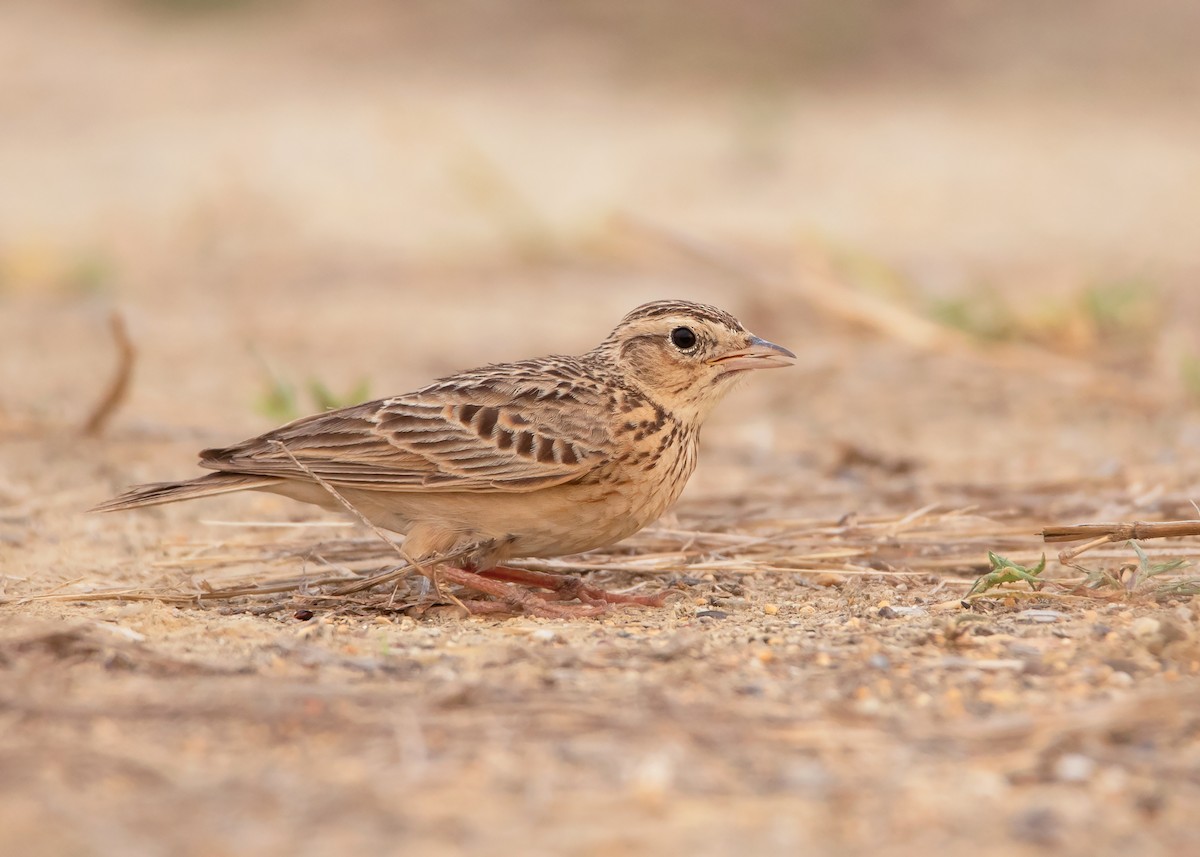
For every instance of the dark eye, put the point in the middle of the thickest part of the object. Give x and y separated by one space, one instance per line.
683 338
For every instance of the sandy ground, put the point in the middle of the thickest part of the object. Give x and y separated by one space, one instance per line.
817 686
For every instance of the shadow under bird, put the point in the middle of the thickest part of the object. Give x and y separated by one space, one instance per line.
537 458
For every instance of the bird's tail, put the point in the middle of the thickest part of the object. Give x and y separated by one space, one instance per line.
156 493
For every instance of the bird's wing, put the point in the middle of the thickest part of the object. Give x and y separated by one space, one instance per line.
448 437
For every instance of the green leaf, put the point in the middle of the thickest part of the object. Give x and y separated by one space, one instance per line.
1004 571
1151 569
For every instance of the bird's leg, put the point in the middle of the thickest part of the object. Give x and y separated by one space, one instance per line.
518 600
486 607
567 586
431 579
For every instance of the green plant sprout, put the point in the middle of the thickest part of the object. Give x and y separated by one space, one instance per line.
1004 571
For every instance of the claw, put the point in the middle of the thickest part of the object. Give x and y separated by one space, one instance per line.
506 585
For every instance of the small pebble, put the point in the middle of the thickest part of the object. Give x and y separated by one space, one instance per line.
868 706
1145 627
303 615
770 609
712 614
651 779
1154 634
1040 616
1074 768
1120 679
1172 630
1039 825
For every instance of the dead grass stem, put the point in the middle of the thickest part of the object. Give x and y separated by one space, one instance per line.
118 386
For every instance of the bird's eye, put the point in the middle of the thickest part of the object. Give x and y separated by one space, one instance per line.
683 338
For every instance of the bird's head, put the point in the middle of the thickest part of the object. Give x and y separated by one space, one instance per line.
687 355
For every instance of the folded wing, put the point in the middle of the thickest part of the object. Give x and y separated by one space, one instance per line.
449 437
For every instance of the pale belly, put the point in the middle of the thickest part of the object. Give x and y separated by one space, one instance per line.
548 522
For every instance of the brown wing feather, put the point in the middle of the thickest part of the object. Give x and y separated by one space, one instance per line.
495 429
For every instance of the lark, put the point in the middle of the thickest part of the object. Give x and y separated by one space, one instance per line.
538 458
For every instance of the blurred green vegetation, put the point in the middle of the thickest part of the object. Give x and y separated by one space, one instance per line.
1121 314
281 400
983 314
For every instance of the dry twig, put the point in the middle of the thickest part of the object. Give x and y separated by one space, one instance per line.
118 387
1106 533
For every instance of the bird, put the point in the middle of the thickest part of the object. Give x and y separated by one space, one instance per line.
531 459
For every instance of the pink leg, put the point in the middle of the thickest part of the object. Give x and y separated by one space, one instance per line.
499 583
514 597
565 587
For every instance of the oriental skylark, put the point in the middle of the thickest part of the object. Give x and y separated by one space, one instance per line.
537 458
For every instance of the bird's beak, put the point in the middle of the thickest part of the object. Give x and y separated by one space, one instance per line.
759 354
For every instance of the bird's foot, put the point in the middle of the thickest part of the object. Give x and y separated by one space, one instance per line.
514 599
567 586
506 585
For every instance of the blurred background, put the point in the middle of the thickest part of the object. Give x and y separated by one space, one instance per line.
295 203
